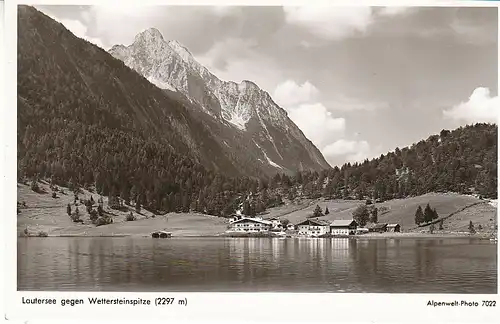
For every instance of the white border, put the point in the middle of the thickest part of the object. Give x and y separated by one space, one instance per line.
213 307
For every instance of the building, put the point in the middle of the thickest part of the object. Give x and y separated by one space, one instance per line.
313 227
343 227
378 228
361 230
250 225
290 227
234 218
393 228
276 223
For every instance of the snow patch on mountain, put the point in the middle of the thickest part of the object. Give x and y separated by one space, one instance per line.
161 84
236 120
271 162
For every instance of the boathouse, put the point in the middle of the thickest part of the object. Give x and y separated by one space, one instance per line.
393 228
343 227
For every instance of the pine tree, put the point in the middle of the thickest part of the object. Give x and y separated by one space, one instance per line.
327 211
68 209
137 206
419 216
34 185
434 214
428 214
317 211
472 230
441 224
374 216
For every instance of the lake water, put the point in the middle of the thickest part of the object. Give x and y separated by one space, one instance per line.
258 264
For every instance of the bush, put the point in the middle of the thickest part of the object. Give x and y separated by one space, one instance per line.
130 217
93 215
42 234
54 195
104 221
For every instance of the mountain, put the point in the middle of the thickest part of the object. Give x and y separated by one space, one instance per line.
250 126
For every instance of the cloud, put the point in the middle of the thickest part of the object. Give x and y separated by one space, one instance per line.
289 93
223 52
352 151
311 116
480 107
317 123
80 30
341 102
394 10
330 22
472 33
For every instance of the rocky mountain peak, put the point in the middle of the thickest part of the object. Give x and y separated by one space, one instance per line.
243 107
150 34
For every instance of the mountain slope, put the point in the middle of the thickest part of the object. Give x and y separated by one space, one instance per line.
63 76
242 116
463 161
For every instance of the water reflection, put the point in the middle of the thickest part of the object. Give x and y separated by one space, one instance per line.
257 264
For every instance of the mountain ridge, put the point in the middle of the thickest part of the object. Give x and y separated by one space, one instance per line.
267 130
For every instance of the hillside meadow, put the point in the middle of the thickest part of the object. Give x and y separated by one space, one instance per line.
43 213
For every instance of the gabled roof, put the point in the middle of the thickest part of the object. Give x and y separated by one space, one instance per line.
380 225
247 219
342 222
313 222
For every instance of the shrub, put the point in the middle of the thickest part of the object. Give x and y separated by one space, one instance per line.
42 234
104 221
93 215
130 217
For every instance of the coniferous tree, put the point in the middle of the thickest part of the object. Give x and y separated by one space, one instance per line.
441 224
472 230
428 214
419 216
434 214
327 211
374 215
137 206
68 210
317 211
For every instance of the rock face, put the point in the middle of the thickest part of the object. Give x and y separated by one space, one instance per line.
255 133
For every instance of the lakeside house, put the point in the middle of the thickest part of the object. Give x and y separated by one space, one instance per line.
361 230
290 227
250 225
378 228
313 227
276 223
235 217
393 228
343 227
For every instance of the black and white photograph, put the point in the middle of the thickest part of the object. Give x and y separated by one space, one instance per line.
280 149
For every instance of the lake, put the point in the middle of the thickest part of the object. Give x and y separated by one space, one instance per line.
258 265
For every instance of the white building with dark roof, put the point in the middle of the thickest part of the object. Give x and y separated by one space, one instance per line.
343 227
250 225
313 227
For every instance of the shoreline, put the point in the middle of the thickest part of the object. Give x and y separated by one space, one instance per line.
225 236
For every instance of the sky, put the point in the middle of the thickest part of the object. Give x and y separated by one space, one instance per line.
358 81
